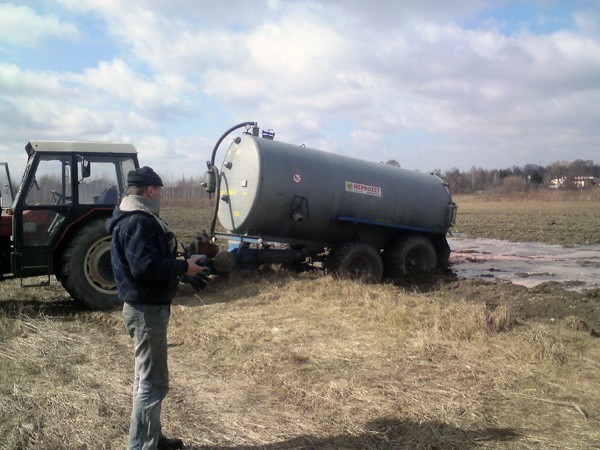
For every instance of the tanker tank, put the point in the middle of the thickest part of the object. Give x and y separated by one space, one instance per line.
284 191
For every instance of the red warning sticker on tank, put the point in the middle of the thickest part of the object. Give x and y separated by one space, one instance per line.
363 189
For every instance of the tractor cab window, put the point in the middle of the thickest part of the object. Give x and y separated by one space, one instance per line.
52 182
102 179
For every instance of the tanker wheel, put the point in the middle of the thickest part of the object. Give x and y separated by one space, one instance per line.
356 260
409 254
87 271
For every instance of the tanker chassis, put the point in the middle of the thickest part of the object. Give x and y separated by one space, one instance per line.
284 203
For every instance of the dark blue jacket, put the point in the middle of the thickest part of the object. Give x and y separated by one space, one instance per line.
145 268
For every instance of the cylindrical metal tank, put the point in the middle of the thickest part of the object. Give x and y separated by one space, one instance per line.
292 193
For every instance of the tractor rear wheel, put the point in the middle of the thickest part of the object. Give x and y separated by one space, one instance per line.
86 268
356 260
409 254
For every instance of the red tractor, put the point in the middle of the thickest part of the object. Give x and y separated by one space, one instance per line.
55 224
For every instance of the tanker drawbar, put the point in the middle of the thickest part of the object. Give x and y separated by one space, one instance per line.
290 204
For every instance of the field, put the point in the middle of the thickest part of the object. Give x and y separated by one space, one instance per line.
278 360
565 222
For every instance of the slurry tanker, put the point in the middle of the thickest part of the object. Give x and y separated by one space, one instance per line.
293 205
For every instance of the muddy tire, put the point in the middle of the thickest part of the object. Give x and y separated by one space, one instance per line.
86 268
409 254
356 260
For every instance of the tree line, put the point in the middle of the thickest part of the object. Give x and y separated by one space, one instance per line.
519 179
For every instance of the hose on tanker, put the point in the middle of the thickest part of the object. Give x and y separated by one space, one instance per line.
212 166
235 127
213 223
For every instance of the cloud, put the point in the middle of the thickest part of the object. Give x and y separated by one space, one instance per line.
160 98
33 101
22 26
60 104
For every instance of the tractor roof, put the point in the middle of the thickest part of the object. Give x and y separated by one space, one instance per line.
78 147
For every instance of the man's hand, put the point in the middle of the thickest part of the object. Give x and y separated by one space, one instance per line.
196 275
194 268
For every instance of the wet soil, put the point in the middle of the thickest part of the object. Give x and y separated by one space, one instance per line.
540 281
527 263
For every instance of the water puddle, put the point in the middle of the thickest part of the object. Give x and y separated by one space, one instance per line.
526 263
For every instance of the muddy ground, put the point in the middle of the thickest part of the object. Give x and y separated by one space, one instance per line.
567 224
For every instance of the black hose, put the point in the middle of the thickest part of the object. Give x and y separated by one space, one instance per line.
235 127
213 223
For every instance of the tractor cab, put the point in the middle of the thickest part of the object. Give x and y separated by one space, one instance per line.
66 186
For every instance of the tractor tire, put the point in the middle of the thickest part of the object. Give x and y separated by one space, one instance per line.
87 270
356 260
409 254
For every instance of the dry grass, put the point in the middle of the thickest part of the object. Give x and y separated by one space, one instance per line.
276 360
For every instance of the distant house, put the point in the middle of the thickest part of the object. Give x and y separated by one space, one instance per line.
584 182
578 182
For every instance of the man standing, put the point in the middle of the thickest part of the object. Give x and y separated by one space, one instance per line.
147 276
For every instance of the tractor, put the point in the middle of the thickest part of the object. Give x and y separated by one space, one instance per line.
55 223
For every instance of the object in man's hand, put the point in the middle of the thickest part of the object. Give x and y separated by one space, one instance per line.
197 281
201 261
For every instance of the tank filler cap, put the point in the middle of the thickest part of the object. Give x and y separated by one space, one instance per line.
252 129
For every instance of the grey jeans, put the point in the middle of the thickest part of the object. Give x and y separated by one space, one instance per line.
147 326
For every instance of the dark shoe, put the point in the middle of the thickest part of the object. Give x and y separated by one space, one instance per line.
164 443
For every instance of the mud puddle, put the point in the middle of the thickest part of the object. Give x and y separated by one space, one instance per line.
526 263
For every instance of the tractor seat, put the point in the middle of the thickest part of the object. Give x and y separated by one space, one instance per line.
109 195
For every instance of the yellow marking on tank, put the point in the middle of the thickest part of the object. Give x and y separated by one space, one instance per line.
236 214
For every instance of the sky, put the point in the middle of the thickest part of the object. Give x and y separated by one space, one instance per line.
434 85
